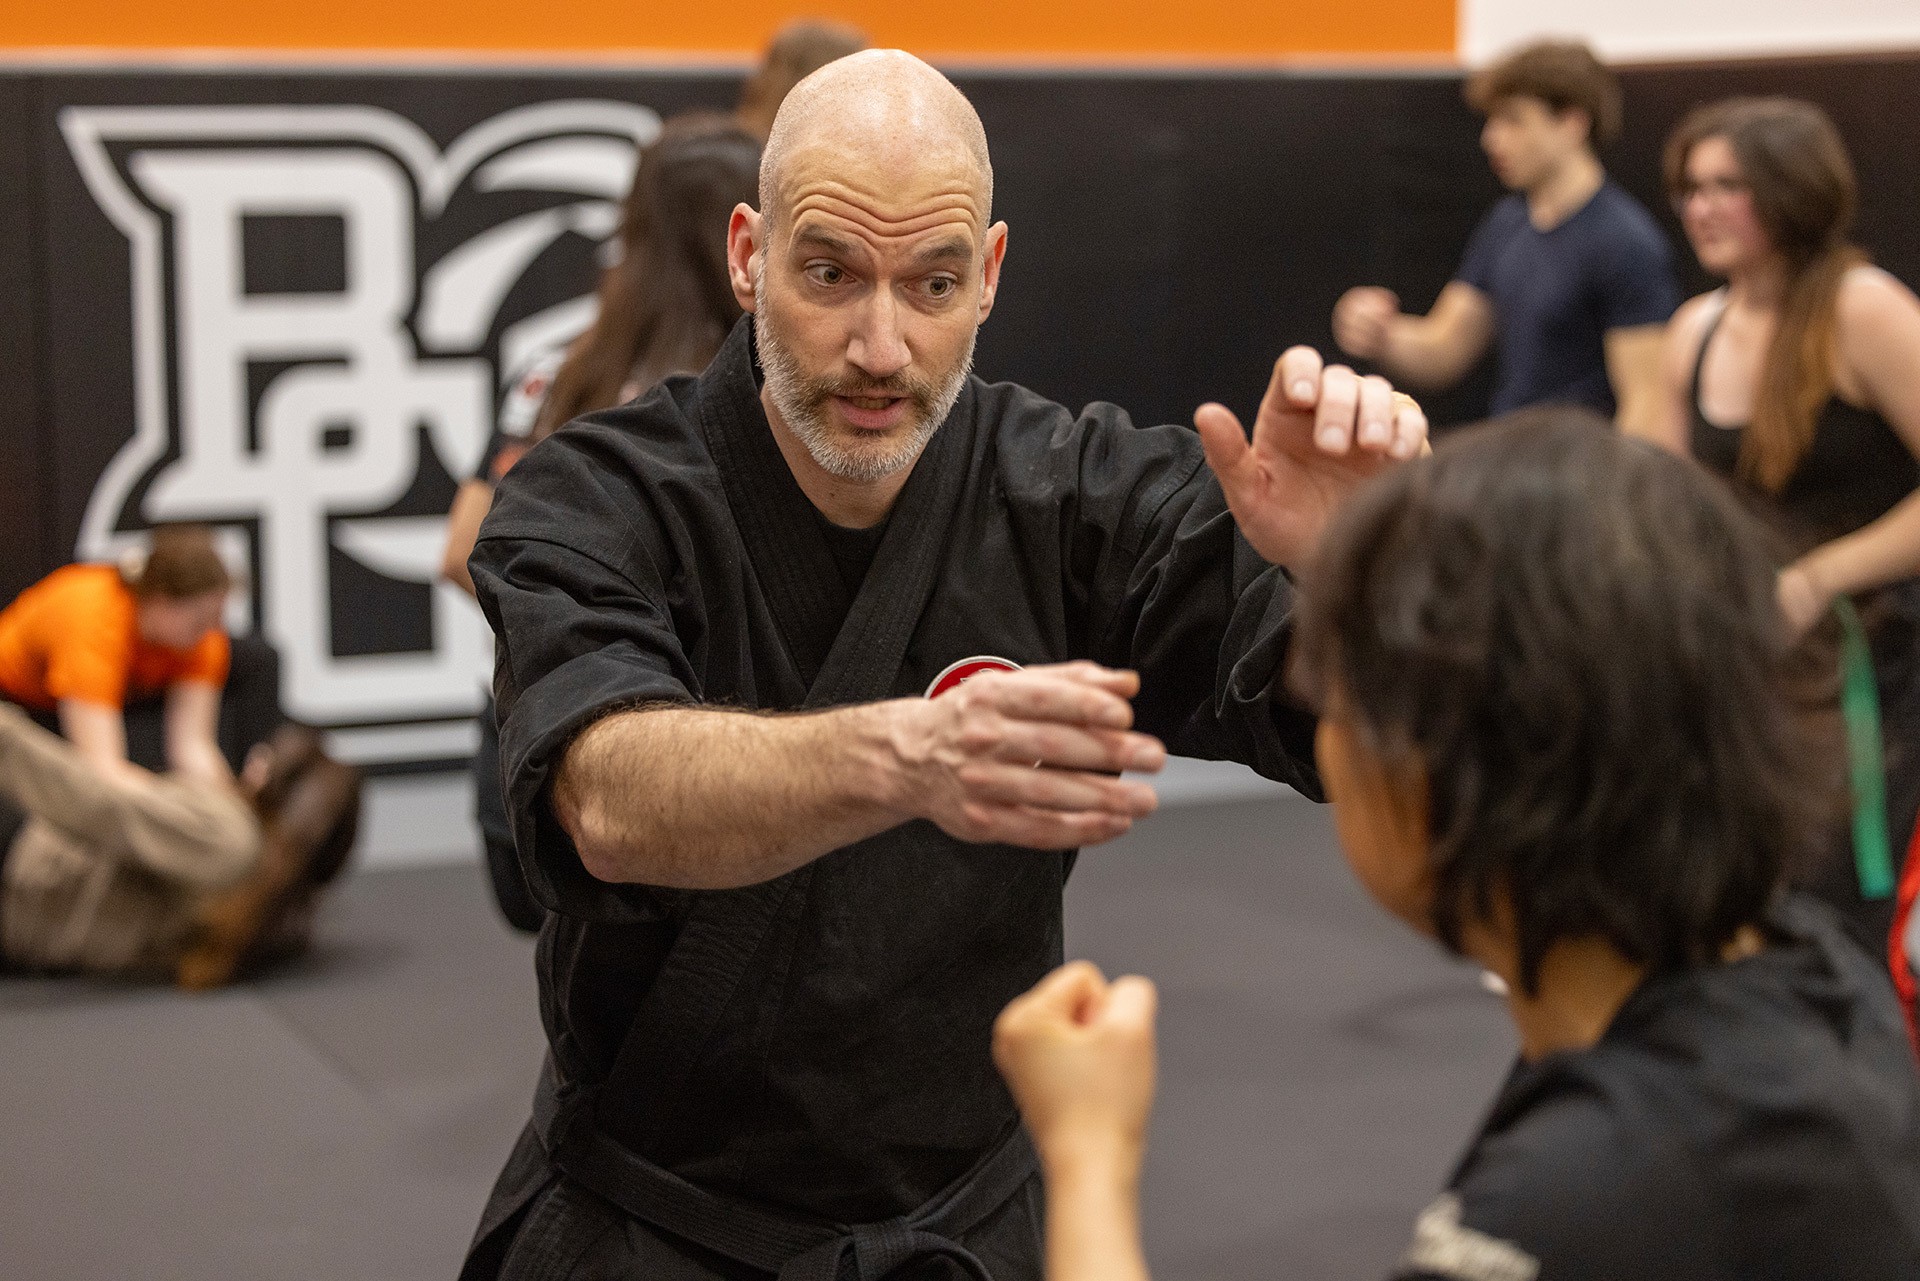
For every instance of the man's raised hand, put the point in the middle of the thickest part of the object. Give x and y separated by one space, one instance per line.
1321 430
1029 757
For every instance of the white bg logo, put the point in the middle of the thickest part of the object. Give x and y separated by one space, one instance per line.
391 362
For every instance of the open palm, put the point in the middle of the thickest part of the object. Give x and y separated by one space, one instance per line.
1320 432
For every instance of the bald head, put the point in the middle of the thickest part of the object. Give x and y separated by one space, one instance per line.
880 111
868 268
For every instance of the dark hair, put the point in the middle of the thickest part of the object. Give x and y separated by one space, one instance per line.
1574 635
1804 195
800 48
1564 74
182 563
666 306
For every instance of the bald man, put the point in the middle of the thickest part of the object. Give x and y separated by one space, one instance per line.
812 673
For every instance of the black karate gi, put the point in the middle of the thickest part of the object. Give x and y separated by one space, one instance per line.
1754 1121
818 1046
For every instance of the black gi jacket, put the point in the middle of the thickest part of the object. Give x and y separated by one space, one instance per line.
827 1052
1754 1121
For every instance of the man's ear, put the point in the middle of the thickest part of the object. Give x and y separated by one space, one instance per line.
744 230
990 276
1583 119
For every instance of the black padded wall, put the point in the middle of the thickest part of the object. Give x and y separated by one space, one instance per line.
1171 233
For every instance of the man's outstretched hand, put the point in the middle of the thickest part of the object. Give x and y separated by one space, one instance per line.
1321 431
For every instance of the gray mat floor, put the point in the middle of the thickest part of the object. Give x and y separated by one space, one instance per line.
341 1121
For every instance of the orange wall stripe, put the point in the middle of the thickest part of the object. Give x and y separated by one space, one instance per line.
1152 29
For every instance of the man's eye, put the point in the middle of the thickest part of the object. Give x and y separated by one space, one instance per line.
942 286
825 273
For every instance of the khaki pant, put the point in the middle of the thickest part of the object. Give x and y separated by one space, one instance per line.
107 871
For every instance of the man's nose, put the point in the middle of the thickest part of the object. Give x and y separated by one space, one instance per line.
879 348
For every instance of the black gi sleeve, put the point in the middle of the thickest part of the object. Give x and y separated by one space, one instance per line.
566 570
1169 588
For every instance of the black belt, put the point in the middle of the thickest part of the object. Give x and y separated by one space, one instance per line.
792 1249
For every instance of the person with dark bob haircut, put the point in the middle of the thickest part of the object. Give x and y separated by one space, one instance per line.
663 308
1568 733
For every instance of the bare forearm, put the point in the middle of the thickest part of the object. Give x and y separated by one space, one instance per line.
696 798
96 731
193 718
471 503
1883 552
1423 354
704 799
1093 1225
199 758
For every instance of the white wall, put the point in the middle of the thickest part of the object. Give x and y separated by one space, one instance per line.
1650 29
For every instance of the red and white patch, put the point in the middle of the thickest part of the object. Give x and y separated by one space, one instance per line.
958 674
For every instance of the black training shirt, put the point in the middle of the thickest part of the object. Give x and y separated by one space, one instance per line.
1557 293
1755 1121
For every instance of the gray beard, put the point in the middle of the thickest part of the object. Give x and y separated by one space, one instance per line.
803 402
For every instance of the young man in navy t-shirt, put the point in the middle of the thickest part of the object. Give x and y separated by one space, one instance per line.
1569 279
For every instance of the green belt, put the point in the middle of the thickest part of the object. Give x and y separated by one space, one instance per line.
1860 705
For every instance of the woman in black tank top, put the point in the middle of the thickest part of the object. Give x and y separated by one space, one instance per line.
1856 469
1800 383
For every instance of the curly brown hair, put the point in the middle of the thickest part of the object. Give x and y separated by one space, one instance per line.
1564 74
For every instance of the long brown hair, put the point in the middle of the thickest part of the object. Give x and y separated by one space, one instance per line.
666 306
1804 195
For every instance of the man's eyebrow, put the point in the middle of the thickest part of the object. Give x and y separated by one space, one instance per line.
952 249
826 240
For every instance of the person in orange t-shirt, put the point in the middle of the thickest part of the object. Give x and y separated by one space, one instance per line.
107 864
86 639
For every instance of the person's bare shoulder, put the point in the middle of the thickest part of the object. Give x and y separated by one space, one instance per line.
1692 316
1870 297
1877 332
1685 332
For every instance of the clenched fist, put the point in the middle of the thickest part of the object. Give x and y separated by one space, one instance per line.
1029 757
1078 1054
1362 318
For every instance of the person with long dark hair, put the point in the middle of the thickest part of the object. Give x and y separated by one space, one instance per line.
1799 381
664 308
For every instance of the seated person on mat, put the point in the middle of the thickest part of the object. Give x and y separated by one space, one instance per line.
165 875
1566 732
106 866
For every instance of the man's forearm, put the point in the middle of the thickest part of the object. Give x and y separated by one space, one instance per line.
1417 355
696 798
